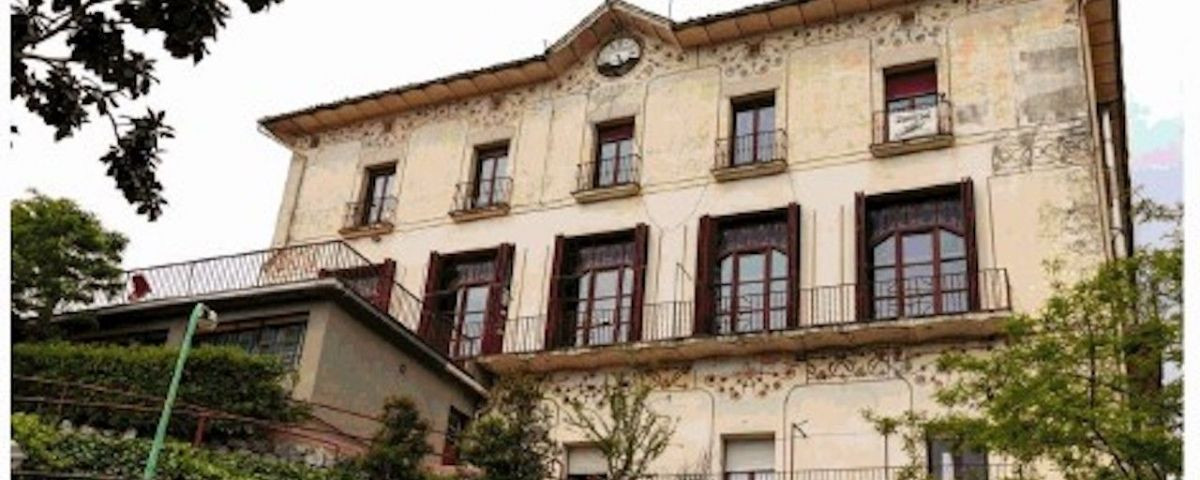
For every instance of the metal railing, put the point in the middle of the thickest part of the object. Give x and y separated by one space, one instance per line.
988 471
372 282
816 307
913 117
482 195
622 170
751 149
364 213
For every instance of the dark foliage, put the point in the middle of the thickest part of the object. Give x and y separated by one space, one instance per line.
100 72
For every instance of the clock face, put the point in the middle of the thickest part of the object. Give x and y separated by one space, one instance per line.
618 56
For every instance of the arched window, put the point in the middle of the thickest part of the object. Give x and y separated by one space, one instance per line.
603 288
752 277
918 258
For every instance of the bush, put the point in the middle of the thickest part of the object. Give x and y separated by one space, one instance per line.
397 450
49 450
221 378
511 439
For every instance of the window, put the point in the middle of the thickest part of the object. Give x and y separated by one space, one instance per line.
920 253
615 162
281 340
950 460
149 337
465 305
586 462
753 130
911 97
747 273
491 165
377 200
597 291
455 425
752 277
750 459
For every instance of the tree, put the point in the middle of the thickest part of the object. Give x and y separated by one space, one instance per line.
628 433
511 438
61 254
71 62
397 449
1080 383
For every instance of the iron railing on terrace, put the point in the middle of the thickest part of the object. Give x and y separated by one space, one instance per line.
477 195
361 213
818 307
989 471
373 282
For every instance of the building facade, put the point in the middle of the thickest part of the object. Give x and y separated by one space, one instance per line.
779 216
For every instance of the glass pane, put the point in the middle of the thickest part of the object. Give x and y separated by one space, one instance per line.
501 166
917 248
750 267
885 308
743 123
606 284
885 282
779 268
885 252
954 275
917 305
951 244
918 279
954 302
766 119
608 151
476 299
750 296
724 298
726 268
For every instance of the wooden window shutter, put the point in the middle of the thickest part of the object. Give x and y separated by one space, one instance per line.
967 195
554 299
705 246
497 311
862 292
386 274
641 240
793 255
429 328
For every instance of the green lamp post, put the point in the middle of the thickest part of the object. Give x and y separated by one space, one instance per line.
200 313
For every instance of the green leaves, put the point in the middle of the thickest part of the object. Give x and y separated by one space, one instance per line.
399 446
630 435
101 72
61 254
221 378
511 438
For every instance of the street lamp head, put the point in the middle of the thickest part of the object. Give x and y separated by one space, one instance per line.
208 319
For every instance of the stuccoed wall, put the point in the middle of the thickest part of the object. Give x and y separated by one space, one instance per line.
1013 70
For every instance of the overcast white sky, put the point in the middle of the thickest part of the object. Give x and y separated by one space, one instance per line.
224 180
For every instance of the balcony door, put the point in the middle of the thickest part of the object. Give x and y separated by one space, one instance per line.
911 95
465 305
491 166
614 155
753 130
596 289
919 253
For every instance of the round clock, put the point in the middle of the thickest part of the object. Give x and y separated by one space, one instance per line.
618 56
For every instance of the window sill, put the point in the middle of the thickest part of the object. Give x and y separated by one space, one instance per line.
479 213
757 169
372 230
911 145
606 193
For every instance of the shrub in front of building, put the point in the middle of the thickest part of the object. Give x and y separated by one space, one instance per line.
133 381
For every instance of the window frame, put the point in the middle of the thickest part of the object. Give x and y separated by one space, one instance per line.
756 103
435 310
563 273
733 314
259 327
960 468
615 132
456 423
373 205
496 155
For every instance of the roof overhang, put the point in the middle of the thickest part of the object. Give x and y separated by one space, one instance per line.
1104 41
574 47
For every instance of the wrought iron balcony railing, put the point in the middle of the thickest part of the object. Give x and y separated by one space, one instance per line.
477 195
913 118
373 282
751 149
371 213
814 307
621 171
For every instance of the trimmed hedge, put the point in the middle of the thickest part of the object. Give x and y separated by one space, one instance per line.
49 450
221 378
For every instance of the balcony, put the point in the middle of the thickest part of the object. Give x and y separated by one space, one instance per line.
988 471
372 218
260 271
596 181
825 317
750 155
481 199
911 125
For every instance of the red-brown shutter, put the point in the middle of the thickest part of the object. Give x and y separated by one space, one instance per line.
429 328
641 240
554 301
967 193
920 81
497 311
702 323
386 273
862 293
793 255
